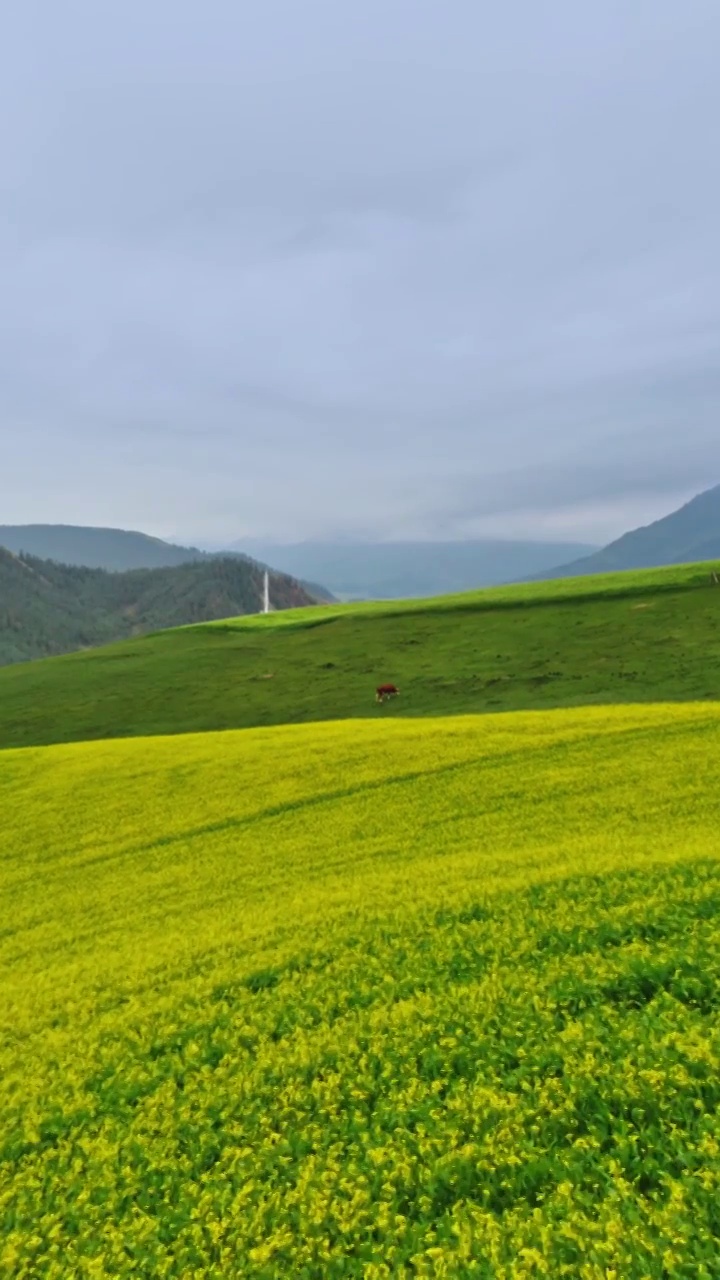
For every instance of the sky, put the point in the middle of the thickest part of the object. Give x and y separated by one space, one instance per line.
399 269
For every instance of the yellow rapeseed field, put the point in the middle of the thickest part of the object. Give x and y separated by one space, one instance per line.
422 998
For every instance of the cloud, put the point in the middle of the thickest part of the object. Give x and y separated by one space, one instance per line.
302 269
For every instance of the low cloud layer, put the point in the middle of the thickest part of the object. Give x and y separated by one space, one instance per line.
393 270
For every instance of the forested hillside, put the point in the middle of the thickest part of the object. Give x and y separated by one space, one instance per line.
48 608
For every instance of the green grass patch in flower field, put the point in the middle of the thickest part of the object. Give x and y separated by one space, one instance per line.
646 636
431 998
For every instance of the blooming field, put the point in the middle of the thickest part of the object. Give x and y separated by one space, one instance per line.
422 998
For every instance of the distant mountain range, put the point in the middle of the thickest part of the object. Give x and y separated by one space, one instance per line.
348 571
113 549
689 534
116 550
48 604
49 608
396 570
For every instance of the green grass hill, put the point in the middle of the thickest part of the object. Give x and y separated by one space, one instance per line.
434 998
643 637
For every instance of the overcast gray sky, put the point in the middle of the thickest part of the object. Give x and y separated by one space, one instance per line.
395 268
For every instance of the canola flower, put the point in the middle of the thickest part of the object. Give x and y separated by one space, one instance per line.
428 1000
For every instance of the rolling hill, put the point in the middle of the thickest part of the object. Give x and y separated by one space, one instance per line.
429 998
686 536
616 639
48 608
390 992
403 570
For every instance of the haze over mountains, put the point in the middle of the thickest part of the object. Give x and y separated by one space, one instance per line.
347 570
387 570
689 534
393 570
115 550
95 548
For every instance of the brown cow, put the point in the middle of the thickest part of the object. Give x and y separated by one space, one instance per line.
385 691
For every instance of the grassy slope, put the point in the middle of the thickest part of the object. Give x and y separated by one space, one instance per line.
311 1001
624 638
